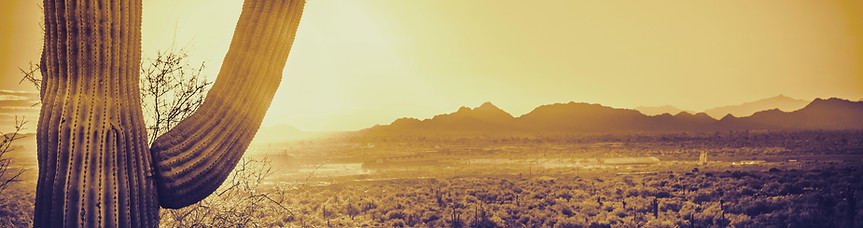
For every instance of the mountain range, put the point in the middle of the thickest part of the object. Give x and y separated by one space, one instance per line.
572 117
780 102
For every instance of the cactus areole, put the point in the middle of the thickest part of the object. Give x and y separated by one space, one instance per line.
94 165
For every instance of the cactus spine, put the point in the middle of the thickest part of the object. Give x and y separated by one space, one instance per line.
94 165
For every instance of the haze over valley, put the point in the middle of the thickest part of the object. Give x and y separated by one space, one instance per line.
438 113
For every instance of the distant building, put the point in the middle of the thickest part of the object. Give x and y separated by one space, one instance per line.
702 160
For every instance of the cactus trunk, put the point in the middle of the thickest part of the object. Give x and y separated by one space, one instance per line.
196 156
94 165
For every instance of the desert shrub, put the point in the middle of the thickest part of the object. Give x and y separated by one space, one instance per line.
16 206
240 201
396 214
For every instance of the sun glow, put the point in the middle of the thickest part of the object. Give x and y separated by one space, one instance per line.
355 64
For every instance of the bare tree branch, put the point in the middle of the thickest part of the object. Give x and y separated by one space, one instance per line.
171 90
8 176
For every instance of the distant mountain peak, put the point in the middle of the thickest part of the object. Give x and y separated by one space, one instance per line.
405 121
830 102
486 112
488 106
665 115
832 113
702 115
769 111
780 97
780 102
727 117
683 113
658 110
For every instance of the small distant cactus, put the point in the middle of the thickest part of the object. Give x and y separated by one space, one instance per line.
94 165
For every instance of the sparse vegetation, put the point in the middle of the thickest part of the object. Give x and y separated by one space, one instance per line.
16 205
8 174
714 197
239 202
793 187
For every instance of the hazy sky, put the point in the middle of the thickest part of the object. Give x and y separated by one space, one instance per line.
356 63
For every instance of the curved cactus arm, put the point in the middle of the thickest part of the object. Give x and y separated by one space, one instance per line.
196 156
94 166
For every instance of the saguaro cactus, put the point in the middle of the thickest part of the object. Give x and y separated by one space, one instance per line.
94 165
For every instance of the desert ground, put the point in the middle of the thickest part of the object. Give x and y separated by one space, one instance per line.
716 179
